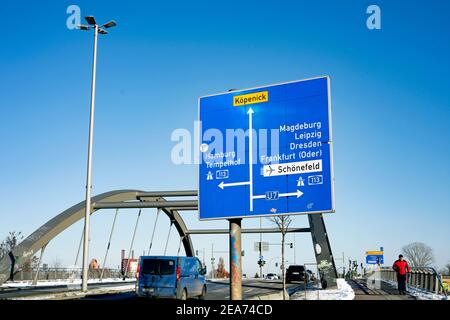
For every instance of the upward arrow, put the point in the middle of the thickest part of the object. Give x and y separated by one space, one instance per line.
250 154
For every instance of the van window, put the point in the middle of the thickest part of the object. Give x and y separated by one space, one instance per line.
296 268
199 265
158 266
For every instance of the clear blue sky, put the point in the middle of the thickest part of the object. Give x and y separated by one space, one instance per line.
390 100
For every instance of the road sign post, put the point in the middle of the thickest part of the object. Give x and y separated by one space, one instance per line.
375 257
235 260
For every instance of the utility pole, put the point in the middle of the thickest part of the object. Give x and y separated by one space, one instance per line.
212 261
295 260
260 249
204 264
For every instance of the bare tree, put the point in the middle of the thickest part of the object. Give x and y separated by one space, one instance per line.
221 272
418 254
282 223
446 270
56 264
9 243
31 264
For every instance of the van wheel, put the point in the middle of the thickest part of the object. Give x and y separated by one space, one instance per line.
183 295
202 296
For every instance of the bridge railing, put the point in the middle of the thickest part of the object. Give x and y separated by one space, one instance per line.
424 278
56 274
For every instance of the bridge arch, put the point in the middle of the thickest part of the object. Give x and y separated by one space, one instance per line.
42 236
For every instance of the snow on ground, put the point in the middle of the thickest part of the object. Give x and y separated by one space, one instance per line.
419 293
67 282
218 280
77 294
343 292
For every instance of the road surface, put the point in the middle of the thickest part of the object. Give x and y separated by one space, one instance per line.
220 290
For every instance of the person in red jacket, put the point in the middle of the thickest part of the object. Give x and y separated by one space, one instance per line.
402 268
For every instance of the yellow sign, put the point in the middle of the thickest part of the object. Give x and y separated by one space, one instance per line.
376 253
251 98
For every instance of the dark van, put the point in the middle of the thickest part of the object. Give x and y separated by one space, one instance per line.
171 277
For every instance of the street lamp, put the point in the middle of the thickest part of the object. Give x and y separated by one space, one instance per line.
92 24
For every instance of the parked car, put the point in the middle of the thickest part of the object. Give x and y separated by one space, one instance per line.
272 276
171 277
296 273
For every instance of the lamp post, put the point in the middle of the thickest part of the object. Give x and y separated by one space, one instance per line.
92 24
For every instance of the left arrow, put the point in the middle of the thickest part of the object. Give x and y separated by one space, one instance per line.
233 184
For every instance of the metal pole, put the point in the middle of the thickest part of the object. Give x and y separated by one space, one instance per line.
131 245
79 248
89 170
343 265
212 261
260 249
235 260
179 246
109 244
39 265
295 260
153 233
168 236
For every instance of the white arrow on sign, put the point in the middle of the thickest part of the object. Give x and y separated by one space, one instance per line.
233 184
298 193
250 154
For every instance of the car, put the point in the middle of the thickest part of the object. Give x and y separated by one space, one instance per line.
271 276
173 277
296 273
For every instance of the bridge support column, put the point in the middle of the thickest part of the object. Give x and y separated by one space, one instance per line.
235 260
322 249
36 277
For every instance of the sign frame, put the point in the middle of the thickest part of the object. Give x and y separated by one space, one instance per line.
198 142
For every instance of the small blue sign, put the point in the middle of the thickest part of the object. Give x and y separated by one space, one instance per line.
374 259
266 151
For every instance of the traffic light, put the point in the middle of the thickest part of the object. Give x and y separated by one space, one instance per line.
291 245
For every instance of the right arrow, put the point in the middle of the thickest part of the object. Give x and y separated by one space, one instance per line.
298 193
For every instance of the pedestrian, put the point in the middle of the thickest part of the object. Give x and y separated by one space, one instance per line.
402 268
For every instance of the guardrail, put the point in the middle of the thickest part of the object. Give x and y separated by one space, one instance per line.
425 278
66 273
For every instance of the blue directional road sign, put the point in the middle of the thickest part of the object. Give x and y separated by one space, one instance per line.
266 151
375 259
